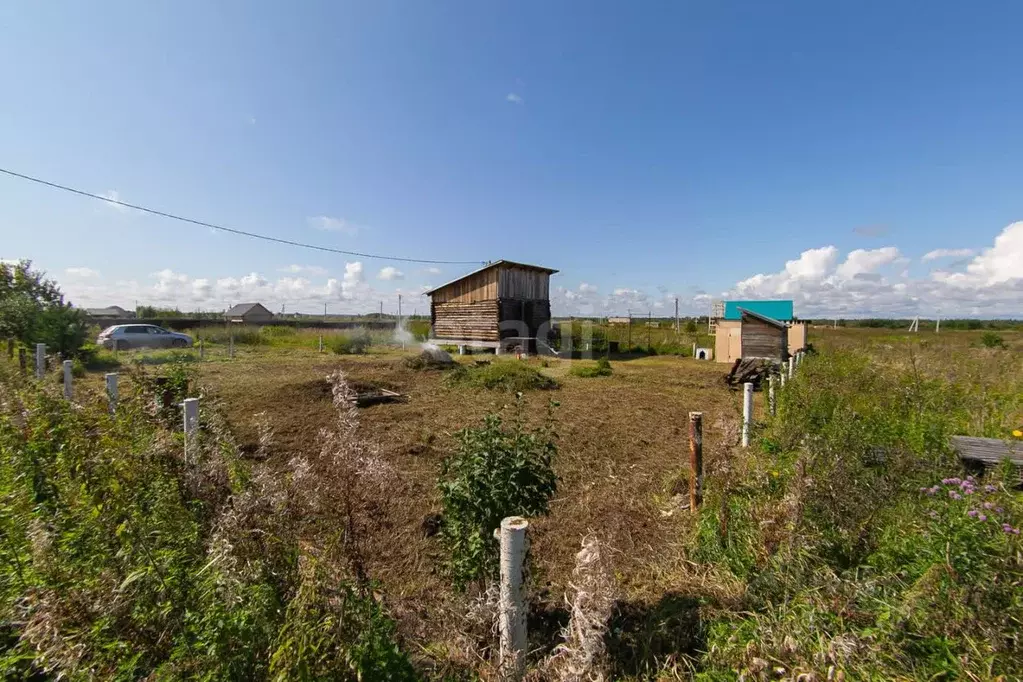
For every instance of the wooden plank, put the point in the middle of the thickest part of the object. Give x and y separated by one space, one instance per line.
990 451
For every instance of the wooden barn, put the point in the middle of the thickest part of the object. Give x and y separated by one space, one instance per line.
503 305
751 336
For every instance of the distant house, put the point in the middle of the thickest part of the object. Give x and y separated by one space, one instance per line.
248 312
619 320
114 312
756 329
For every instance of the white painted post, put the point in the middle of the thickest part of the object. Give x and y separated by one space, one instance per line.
512 605
230 344
68 390
461 350
694 349
191 425
111 379
321 343
747 411
202 350
770 394
40 360
781 373
792 365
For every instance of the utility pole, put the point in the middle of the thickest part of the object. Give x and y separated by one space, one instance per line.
629 310
649 323
677 328
325 311
381 310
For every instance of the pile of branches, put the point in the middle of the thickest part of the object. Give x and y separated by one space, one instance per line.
755 370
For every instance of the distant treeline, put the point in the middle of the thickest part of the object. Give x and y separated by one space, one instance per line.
154 313
964 324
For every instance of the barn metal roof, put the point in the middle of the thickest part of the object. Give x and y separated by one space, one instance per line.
777 310
497 263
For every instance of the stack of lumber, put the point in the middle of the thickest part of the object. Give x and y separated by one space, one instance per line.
755 370
466 321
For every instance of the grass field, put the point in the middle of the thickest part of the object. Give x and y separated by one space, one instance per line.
622 464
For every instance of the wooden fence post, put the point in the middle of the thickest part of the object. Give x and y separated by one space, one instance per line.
68 389
111 381
747 411
40 360
792 365
695 460
770 395
191 426
321 343
23 359
230 344
512 618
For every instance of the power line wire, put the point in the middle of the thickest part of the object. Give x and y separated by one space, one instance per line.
232 230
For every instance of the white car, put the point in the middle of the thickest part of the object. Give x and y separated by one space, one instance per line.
125 336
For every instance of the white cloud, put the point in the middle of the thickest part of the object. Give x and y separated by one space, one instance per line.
864 261
585 288
390 273
1000 264
81 272
947 253
433 271
513 98
314 270
330 224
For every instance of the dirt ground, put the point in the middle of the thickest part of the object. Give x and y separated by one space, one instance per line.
622 459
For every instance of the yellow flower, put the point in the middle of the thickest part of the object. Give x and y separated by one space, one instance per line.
774 473
1018 433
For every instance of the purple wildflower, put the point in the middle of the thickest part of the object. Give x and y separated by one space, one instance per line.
1007 528
989 505
999 510
951 481
990 488
971 478
982 518
972 512
954 495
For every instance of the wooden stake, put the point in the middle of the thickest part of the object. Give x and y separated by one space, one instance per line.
770 394
695 460
512 606
747 412
40 360
191 426
22 360
68 390
111 381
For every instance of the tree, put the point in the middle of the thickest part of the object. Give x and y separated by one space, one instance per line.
690 326
32 310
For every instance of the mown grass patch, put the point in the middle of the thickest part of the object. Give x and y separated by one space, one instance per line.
502 375
602 368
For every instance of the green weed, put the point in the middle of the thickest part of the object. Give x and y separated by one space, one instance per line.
505 375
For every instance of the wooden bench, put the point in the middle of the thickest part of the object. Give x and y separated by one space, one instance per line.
988 452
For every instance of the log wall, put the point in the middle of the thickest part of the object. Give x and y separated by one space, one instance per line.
469 321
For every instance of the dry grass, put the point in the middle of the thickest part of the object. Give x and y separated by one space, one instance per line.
622 458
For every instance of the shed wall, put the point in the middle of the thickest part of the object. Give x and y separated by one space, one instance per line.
523 284
763 340
524 318
472 289
797 336
476 321
727 346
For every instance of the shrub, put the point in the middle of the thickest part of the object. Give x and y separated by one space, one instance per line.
123 560
502 375
497 471
992 340
842 551
601 369
351 344
32 310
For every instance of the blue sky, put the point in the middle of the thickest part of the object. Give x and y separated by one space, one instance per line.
809 150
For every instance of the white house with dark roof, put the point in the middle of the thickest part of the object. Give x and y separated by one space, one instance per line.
249 312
